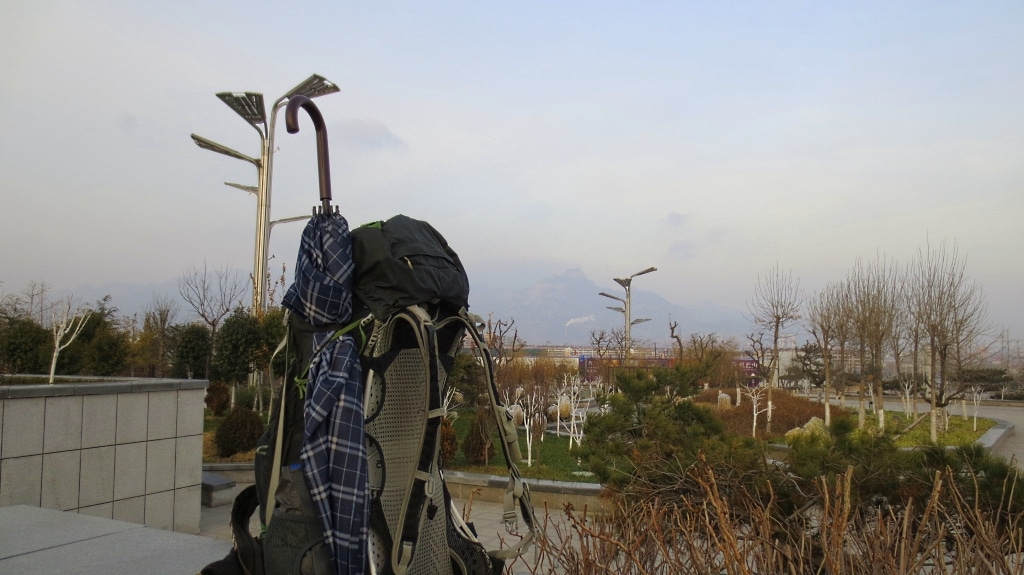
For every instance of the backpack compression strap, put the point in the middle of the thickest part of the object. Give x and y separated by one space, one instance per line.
518 491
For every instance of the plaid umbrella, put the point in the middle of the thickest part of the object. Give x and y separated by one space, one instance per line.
334 447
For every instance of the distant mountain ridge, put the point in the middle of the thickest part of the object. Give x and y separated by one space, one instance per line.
558 310
564 309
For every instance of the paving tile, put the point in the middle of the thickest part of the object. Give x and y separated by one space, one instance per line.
190 411
99 420
62 429
129 470
49 541
132 417
23 427
187 509
160 465
97 481
163 414
60 485
21 480
188 461
131 510
160 510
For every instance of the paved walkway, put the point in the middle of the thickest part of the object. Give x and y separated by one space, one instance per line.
485 516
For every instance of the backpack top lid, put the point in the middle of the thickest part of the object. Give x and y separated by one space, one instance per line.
404 261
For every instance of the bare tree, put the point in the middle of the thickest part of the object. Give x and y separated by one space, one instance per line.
34 300
900 338
672 327
872 288
65 326
601 341
760 353
776 304
617 341
824 314
756 394
211 296
502 338
951 312
158 318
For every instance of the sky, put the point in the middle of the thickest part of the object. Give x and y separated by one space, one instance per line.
713 140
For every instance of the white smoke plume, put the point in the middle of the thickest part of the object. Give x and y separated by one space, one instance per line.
577 320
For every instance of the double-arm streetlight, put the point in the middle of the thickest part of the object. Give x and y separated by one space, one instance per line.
625 283
249 105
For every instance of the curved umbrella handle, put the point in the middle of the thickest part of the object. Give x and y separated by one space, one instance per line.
291 116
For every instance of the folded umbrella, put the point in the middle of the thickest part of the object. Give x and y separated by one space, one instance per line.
334 445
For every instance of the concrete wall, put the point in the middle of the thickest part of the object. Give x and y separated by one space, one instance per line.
129 450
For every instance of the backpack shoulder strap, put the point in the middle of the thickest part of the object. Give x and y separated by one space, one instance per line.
517 494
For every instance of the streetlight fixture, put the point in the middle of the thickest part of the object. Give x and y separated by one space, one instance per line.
251 108
626 311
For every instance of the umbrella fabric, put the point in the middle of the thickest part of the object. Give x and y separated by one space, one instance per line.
322 291
334 447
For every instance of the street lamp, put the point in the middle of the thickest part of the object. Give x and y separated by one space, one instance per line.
250 106
625 311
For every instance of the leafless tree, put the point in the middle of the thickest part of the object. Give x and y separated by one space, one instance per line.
601 341
951 312
760 352
672 327
158 318
211 296
617 341
66 322
34 300
776 304
756 394
824 314
872 288
502 338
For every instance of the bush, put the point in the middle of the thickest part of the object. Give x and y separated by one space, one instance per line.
789 412
239 432
479 446
246 395
449 441
218 398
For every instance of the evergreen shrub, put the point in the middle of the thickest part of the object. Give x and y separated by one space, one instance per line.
478 446
218 398
239 432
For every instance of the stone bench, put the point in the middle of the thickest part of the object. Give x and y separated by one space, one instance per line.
217 490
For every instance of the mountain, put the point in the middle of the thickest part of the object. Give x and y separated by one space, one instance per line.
566 308
559 310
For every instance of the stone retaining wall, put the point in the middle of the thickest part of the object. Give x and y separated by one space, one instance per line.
552 495
129 450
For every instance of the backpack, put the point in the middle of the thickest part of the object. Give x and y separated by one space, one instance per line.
410 308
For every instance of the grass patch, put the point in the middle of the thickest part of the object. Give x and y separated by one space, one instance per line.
961 431
551 457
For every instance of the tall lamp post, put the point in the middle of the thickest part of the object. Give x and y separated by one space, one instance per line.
250 106
626 283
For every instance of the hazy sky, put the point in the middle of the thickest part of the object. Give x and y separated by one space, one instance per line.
709 139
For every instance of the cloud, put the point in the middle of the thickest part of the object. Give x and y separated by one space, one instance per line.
682 250
368 134
676 219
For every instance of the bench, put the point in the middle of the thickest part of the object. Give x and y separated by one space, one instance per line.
217 490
